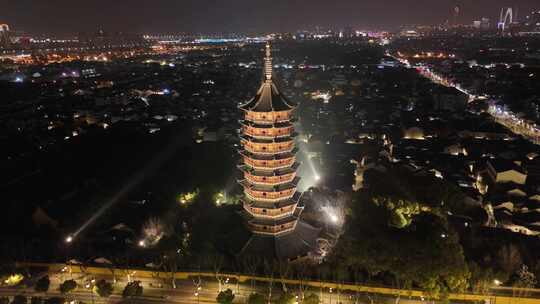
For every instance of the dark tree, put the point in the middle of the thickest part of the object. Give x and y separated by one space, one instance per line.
311 299
36 300
68 286
286 298
425 252
19 299
103 288
225 297
132 289
256 298
42 285
55 300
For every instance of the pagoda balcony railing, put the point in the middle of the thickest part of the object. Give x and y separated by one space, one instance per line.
267 121
268 133
269 164
268 117
270 180
271 148
272 229
269 213
269 196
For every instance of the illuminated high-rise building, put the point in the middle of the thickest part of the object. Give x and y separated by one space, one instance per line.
456 15
4 36
506 18
269 165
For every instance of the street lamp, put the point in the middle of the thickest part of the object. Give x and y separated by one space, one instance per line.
197 294
91 286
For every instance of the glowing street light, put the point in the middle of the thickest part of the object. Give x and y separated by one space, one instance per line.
142 243
317 177
69 239
197 293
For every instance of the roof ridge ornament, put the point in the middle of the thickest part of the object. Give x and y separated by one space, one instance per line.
268 63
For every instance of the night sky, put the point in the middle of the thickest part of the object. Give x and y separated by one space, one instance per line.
215 16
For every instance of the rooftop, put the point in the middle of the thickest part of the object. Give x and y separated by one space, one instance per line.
268 97
288 246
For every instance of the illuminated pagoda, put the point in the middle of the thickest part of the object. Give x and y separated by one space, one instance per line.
269 165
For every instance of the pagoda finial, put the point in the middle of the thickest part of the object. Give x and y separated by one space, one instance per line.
268 63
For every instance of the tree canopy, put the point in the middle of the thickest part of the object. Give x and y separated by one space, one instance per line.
417 249
132 289
19 299
68 286
311 299
256 298
103 288
286 298
225 297
42 285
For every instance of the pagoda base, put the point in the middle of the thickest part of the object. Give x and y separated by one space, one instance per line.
289 246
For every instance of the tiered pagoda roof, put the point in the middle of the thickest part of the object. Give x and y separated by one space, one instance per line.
268 99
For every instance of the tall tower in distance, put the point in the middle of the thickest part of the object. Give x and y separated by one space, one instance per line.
4 36
506 18
271 201
456 15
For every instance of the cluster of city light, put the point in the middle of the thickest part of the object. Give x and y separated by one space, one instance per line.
188 197
14 279
440 55
220 198
517 124
325 96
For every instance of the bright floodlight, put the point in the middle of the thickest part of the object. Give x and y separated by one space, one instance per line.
333 218
317 177
69 239
142 243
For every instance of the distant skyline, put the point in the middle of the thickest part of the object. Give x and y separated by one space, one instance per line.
248 16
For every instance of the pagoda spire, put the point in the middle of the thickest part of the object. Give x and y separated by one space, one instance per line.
268 63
